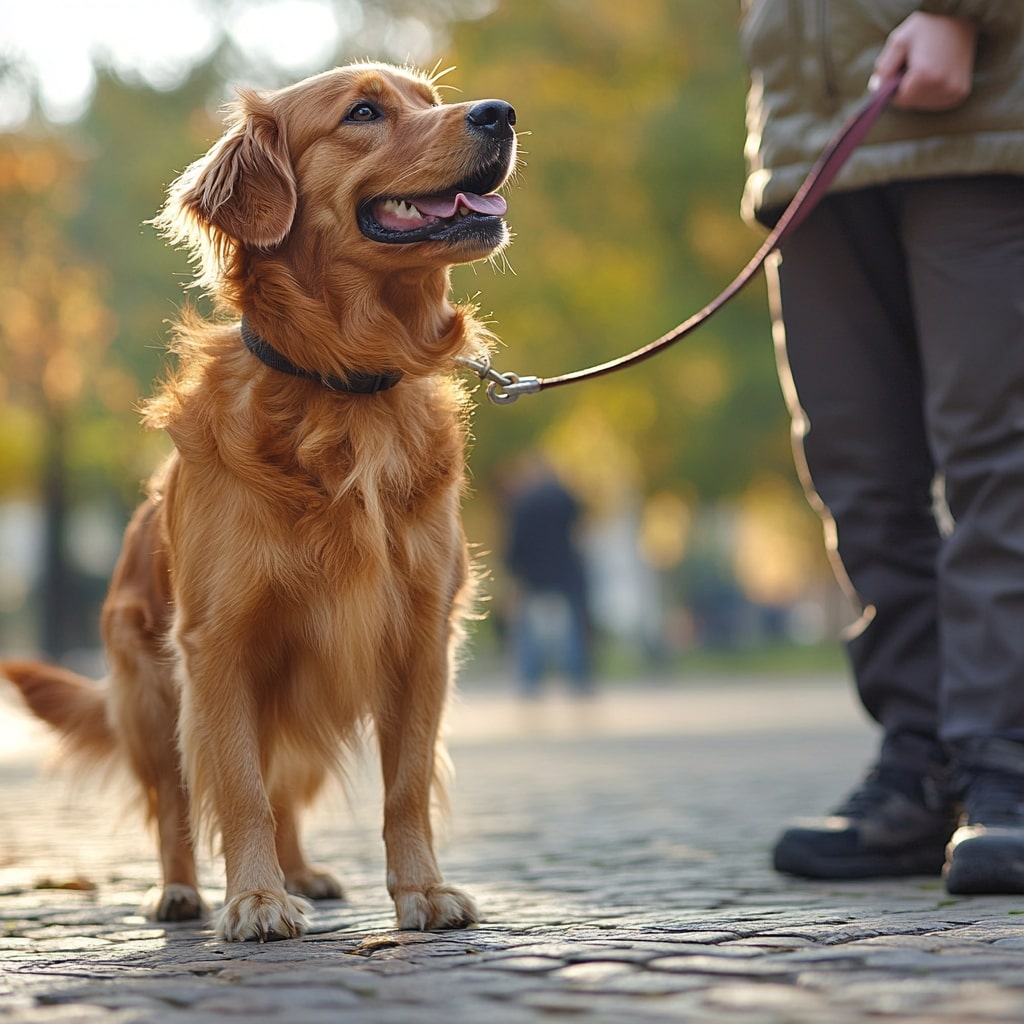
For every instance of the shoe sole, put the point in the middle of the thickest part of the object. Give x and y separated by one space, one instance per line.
986 865
796 859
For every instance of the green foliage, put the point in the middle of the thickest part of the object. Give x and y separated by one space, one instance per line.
626 221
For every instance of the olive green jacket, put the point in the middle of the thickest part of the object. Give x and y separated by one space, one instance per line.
810 61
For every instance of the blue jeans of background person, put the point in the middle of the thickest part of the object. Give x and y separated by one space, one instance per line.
551 635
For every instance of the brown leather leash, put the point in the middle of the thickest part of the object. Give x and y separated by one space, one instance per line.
505 388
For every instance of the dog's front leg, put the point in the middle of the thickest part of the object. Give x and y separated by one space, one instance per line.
220 742
407 732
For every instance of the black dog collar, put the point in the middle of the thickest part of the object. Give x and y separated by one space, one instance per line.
357 382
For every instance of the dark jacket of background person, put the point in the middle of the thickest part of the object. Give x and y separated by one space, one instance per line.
542 553
792 114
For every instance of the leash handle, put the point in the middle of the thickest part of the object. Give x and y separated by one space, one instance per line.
506 388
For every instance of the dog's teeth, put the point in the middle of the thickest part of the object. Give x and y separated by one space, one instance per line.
403 209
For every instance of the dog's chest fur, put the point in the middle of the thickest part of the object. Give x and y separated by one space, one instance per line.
340 498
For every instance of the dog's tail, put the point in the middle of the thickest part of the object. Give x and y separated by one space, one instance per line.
75 707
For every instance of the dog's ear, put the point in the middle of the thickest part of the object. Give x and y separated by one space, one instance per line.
245 186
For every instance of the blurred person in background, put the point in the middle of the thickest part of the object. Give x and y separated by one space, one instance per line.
550 622
899 318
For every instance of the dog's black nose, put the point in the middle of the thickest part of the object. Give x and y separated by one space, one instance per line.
492 117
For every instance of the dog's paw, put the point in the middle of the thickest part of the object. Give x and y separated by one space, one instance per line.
174 902
435 908
314 883
262 916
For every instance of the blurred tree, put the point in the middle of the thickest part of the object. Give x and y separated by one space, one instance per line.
626 222
54 327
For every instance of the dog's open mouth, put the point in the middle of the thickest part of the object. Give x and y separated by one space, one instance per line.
425 218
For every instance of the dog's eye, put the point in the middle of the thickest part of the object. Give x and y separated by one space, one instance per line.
363 111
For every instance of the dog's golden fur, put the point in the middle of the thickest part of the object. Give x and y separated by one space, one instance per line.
299 564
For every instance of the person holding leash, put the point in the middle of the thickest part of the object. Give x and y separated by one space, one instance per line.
898 309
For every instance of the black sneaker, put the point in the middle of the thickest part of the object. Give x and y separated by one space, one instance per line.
986 854
897 822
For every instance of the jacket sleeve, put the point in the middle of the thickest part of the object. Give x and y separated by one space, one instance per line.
991 15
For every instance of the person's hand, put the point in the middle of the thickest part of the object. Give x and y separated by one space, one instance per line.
936 54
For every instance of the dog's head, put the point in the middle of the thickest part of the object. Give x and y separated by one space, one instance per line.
360 167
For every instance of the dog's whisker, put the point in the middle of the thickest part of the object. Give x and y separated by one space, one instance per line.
437 73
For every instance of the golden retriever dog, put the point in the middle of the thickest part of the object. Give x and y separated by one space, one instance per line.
299 566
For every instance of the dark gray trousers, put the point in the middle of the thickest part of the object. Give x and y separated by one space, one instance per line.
902 361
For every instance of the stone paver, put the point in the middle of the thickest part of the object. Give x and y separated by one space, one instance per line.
619 854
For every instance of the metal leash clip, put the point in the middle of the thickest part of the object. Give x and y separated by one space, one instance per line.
504 388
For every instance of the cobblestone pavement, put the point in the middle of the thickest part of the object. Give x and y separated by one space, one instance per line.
619 854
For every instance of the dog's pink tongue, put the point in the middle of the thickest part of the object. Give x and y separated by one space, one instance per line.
445 206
